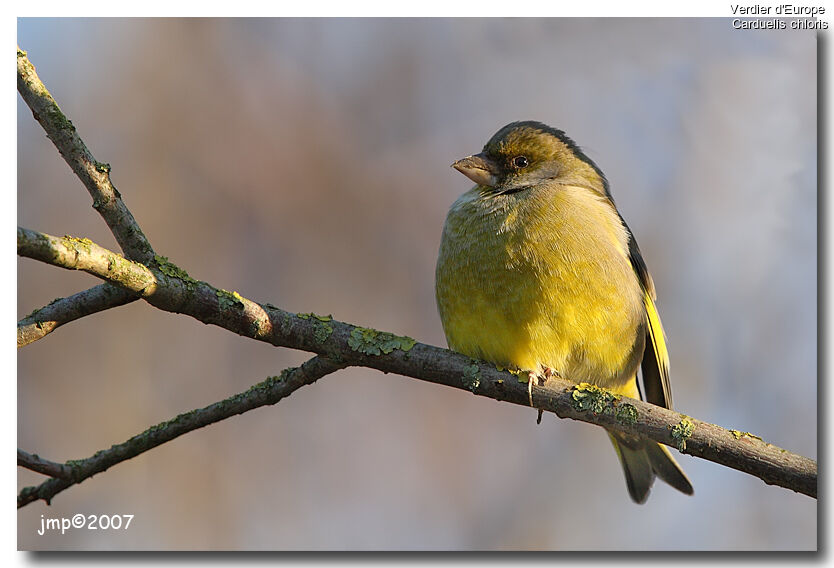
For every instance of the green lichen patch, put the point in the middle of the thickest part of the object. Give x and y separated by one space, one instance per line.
103 167
588 397
626 414
266 386
118 265
168 268
738 434
681 432
171 270
522 376
472 376
322 329
84 243
315 316
592 398
373 342
229 300
59 119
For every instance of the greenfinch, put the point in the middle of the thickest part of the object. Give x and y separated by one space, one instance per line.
537 271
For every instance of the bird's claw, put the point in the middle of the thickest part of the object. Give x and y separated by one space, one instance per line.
547 372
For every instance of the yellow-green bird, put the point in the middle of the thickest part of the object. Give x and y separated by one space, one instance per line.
538 271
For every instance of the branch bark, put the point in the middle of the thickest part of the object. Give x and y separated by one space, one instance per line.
47 319
107 201
40 465
93 174
266 393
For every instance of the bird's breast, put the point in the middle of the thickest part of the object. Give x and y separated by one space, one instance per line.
541 278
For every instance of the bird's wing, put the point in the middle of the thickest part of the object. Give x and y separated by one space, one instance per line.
655 362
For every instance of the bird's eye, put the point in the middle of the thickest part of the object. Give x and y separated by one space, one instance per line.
520 162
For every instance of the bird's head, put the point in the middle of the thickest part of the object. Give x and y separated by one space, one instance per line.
526 154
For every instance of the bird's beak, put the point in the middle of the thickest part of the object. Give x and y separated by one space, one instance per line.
479 169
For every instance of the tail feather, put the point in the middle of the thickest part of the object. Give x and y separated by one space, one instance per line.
667 469
643 460
637 469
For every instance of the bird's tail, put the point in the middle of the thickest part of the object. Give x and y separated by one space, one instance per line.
642 461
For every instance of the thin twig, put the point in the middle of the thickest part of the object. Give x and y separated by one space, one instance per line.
387 352
94 174
47 319
40 465
266 393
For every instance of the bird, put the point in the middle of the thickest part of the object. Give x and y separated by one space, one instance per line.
538 271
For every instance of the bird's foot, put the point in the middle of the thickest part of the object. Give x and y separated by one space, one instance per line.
541 379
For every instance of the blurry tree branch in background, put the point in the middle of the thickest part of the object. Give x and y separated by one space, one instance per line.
140 273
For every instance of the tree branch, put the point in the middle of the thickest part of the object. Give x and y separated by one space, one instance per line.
40 465
83 254
266 393
47 319
170 288
94 174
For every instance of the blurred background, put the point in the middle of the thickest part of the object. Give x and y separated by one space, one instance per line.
306 163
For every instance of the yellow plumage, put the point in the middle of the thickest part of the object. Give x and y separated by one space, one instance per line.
538 271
